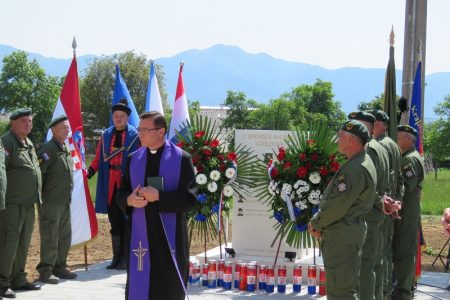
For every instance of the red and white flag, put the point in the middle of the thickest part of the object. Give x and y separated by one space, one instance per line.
83 218
180 113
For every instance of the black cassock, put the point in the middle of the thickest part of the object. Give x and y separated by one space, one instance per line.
164 280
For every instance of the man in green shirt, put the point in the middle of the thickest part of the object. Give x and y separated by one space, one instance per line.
54 213
22 192
406 229
371 274
340 219
395 192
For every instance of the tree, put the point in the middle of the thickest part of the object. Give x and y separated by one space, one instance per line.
376 103
98 84
239 111
315 102
23 83
274 116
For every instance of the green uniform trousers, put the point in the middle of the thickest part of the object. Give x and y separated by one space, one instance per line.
342 263
56 235
387 258
372 256
404 256
16 228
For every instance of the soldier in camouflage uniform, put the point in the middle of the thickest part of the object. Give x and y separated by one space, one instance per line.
54 213
340 219
22 192
405 241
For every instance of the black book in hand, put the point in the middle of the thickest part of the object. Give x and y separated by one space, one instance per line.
157 182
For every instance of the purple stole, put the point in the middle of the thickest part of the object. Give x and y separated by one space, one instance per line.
139 265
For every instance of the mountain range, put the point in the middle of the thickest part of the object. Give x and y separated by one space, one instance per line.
209 73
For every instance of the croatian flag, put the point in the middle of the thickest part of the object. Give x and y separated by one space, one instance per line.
415 113
153 97
180 114
120 92
84 222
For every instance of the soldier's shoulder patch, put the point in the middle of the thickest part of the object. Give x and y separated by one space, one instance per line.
45 156
408 171
342 187
341 183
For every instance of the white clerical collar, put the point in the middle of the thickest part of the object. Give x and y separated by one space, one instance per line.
153 151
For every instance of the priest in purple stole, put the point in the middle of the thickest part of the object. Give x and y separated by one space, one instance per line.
158 188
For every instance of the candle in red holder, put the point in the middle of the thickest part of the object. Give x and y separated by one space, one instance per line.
220 266
270 279
322 290
243 277
212 273
281 279
297 278
205 275
262 277
227 275
237 271
251 278
312 279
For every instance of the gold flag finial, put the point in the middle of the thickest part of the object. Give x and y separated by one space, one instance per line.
392 37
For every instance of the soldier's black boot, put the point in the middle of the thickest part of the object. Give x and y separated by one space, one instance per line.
116 252
124 251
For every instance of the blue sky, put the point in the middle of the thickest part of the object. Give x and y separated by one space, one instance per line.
329 33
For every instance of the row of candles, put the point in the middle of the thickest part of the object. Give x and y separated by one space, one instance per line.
252 276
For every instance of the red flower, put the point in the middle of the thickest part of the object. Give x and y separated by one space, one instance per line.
180 144
308 166
220 157
323 171
207 152
332 157
195 159
281 154
206 143
200 169
222 167
315 157
214 143
302 156
274 172
334 166
301 172
310 142
287 165
232 156
199 134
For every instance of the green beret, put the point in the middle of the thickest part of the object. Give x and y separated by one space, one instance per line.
21 112
357 128
361 116
407 129
380 115
57 120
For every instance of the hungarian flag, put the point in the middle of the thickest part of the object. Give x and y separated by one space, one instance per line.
83 218
180 114
416 112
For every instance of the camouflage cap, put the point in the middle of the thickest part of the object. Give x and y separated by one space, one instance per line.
407 129
357 128
56 120
361 116
380 115
21 112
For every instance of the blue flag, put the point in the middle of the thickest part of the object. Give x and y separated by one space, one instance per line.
153 97
120 92
415 113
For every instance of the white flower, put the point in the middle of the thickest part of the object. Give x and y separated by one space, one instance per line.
228 191
315 178
229 173
201 179
212 186
271 191
215 175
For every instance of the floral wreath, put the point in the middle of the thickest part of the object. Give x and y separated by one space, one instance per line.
216 167
295 181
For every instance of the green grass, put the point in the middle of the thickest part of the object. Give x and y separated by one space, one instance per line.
436 192
93 181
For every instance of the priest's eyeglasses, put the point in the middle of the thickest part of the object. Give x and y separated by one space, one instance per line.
144 129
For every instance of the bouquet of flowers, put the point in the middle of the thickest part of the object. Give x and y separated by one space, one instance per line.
221 172
296 179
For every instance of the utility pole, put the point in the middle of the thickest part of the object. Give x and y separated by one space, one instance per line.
414 49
